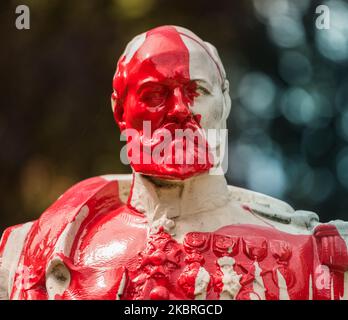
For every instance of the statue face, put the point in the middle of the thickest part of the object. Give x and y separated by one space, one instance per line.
168 81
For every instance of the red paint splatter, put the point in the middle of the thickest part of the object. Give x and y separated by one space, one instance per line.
155 86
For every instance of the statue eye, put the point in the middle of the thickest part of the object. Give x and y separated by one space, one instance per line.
202 90
154 95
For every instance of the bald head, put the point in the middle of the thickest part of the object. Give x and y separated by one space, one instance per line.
171 79
171 52
172 40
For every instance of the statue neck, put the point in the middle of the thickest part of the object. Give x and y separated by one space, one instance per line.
164 201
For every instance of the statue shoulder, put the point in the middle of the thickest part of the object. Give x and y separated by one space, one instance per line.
55 230
339 226
95 195
11 245
59 224
331 237
274 209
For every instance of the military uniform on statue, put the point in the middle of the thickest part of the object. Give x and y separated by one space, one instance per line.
174 229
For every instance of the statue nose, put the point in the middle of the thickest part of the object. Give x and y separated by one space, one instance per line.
180 110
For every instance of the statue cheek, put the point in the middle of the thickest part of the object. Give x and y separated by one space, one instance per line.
135 114
210 109
139 113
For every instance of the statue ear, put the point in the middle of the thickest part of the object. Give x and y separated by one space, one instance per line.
227 99
118 110
225 86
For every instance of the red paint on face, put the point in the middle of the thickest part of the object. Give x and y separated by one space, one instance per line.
155 86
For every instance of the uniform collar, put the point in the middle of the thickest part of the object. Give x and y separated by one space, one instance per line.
163 200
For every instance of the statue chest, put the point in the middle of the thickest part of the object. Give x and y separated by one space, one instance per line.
240 262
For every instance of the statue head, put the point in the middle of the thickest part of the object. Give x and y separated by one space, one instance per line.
168 79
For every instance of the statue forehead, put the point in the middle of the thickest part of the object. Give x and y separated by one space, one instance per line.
170 49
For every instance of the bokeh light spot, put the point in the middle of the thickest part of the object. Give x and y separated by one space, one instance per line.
333 42
298 106
295 68
342 167
285 31
256 93
134 8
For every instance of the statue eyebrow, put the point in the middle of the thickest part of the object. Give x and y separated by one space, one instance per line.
147 82
153 81
204 83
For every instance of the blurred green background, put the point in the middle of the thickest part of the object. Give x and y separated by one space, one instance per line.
288 128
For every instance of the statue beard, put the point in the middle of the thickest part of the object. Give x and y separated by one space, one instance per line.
174 151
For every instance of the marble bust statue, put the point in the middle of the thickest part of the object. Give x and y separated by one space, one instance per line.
172 229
